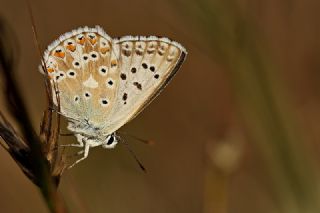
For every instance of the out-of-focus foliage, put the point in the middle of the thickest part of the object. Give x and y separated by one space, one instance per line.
236 37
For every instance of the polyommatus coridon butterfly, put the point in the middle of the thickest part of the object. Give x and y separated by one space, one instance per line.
103 83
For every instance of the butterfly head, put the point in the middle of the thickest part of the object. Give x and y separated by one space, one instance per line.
110 141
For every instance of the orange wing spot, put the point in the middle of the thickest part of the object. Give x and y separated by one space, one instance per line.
93 40
114 63
71 47
59 54
104 50
81 40
50 70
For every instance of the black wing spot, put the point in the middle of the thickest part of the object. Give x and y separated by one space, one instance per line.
104 102
156 76
125 96
126 52
145 66
138 85
87 94
123 76
152 68
133 70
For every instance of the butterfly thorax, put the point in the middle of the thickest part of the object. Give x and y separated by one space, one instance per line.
92 135
86 128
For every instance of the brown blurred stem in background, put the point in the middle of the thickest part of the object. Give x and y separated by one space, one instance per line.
232 38
37 156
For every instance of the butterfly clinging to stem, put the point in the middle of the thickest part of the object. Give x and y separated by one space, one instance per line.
103 83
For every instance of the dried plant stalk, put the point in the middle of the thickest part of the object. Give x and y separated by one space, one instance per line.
37 156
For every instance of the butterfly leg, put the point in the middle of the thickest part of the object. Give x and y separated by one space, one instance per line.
76 154
85 155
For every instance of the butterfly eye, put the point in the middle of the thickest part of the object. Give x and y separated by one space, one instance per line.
111 140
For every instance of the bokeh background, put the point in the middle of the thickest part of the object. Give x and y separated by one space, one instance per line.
237 130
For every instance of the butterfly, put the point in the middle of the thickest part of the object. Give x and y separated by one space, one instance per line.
102 83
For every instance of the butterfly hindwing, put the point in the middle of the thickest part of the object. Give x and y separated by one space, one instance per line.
84 71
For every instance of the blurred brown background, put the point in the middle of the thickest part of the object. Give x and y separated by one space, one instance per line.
236 131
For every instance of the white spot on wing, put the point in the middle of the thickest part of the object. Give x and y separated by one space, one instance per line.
90 82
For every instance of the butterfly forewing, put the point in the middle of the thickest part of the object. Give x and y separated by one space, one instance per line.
146 64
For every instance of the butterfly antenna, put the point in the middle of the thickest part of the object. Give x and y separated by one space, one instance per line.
133 154
145 141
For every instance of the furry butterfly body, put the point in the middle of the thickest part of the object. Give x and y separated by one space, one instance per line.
103 83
